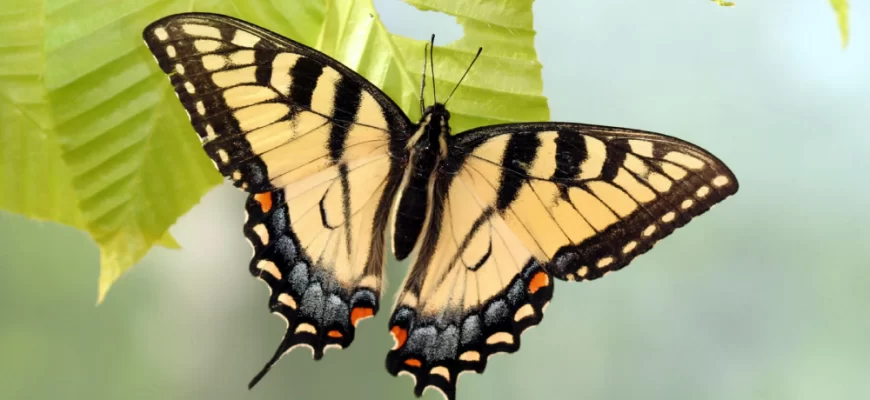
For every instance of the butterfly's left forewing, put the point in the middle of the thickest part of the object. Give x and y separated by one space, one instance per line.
318 148
518 205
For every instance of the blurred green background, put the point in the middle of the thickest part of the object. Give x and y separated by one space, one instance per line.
764 297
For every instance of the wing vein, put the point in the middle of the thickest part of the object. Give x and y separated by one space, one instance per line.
538 244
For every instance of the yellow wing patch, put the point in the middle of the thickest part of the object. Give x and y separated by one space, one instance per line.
593 198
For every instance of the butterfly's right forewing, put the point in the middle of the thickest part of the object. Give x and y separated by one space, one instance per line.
318 147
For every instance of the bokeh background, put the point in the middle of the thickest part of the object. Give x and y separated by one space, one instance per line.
765 297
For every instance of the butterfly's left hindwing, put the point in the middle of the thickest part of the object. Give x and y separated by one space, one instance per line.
517 205
318 148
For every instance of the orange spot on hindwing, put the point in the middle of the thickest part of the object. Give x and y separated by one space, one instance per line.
359 313
413 362
265 200
335 334
541 279
400 334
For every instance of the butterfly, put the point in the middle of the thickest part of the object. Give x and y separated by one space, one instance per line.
490 217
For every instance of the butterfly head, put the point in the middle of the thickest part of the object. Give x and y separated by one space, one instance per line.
436 115
432 130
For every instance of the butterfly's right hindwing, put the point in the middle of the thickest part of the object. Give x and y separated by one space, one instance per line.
320 150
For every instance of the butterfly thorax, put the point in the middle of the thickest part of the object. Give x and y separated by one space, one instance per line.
428 146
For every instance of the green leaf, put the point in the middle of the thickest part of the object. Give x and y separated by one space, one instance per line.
724 3
127 152
93 137
34 178
841 8
37 181
134 165
502 27
132 171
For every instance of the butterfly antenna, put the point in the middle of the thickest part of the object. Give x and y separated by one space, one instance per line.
432 65
423 81
479 50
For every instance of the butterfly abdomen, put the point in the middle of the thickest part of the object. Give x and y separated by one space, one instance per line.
428 146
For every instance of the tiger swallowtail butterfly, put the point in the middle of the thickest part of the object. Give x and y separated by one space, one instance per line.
492 214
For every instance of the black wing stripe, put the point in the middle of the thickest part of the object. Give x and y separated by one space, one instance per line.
345 202
263 62
613 161
347 102
304 76
520 152
570 154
